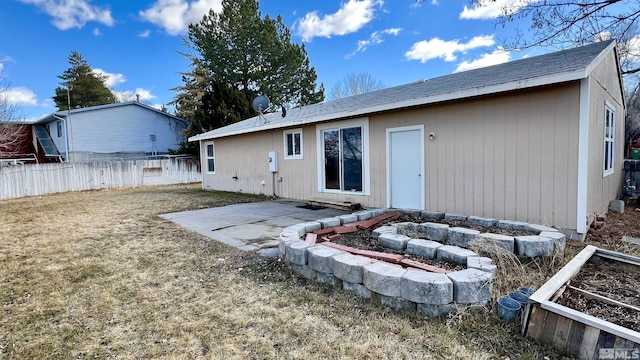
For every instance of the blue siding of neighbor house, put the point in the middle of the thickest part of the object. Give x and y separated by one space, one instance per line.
120 129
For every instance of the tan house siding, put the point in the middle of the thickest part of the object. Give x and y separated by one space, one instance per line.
521 141
506 157
246 157
298 175
510 156
240 157
604 85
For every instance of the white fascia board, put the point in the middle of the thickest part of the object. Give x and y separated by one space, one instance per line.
583 158
456 95
603 55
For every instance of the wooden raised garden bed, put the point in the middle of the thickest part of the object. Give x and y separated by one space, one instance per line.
595 281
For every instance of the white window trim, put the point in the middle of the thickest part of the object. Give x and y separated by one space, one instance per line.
207 157
366 178
284 136
611 139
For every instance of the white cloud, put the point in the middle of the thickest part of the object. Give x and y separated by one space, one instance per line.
114 79
145 34
4 59
436 48
491 9
374 39
351 16
629 50
97 32
392 31
20 96
176 15
632 47
111 79
419 3
602 36
72 13
145 95
47 103
499 56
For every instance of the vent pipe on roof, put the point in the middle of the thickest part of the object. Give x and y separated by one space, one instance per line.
138 97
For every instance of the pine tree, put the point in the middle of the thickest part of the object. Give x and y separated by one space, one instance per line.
86 88
208 103
236 55
285 72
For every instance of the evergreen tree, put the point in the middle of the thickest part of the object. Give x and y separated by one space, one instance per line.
285 74
236 55
86 88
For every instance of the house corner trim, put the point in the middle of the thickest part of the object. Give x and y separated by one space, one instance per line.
583 158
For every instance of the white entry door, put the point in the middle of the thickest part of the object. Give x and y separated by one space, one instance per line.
405 167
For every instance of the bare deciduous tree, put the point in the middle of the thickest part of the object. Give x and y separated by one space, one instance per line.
633 113
564 23
12 133
354 84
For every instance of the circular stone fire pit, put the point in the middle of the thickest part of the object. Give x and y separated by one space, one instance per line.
401 283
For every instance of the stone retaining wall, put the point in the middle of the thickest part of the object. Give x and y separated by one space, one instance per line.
432 294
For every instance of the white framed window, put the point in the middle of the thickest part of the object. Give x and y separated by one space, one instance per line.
609 140
343 157
293 144
210 157
59 127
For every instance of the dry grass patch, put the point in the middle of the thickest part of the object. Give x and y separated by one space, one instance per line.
100 274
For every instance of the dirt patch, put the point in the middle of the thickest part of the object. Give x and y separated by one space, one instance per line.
613 280
362 239
617 226
466 224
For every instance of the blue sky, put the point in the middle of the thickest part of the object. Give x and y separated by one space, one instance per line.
136 43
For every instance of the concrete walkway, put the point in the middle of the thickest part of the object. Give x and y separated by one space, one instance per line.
252 226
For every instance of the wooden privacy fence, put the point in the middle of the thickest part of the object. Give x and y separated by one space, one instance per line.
40 179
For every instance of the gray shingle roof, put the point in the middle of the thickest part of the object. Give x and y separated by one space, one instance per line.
54 116
556 67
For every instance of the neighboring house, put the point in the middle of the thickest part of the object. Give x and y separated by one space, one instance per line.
538 140
125 130
21 142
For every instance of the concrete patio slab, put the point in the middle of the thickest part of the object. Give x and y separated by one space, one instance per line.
251 226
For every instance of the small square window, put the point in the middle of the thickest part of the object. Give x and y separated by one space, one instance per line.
293 144
210 158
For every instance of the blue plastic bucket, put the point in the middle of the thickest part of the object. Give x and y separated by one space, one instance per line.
519 297
508 308
527 291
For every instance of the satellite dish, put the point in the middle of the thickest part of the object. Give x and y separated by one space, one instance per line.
260 103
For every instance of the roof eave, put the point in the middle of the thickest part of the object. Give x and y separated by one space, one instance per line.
63 113
457 95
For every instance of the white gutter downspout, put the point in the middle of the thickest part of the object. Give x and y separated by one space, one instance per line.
203 162
583 158
66 137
